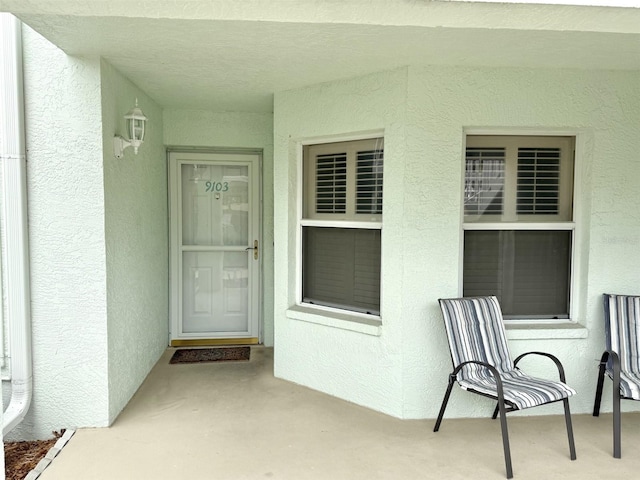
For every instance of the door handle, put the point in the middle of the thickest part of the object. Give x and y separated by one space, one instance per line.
254 248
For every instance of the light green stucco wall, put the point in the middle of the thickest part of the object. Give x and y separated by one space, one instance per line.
66 236
235 130
136 237
98 241
362 368
403 371
604 109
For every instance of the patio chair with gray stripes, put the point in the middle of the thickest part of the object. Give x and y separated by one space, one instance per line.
482 365
620 361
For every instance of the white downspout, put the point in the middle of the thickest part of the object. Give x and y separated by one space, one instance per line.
14 202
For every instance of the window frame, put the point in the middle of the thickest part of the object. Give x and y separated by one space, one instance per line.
368 320
572 225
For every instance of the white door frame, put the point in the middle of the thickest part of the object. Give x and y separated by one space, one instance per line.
253 159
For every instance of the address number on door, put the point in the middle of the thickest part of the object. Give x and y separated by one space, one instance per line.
216 186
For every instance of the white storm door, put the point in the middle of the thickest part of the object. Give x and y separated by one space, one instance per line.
215 246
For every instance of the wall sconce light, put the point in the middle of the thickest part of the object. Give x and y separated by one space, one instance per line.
136 122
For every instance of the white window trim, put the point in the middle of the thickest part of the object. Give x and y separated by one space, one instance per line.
341 319
520 226
319 314
574 225
341 224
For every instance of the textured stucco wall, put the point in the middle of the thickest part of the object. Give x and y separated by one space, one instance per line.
604 107
361 368
206 129
136 229
424 111
66 236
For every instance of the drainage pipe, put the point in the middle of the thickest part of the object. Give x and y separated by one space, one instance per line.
14 203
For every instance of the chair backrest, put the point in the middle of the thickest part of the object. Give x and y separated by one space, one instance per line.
622 329
475 330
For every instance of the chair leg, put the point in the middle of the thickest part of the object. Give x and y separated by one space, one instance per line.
596 403
612 356
567 419
617 448
617 441
444 403
505 438
495 412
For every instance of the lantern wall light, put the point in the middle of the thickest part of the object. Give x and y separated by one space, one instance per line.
136 123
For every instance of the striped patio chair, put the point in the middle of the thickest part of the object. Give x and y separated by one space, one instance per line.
621 359
482 365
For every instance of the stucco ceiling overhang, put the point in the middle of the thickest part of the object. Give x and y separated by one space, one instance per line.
232 56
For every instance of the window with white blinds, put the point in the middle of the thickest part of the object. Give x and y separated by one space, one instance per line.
343 181
341 225
518 179
518 223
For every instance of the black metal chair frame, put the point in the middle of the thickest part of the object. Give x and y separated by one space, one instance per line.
617 396
503 406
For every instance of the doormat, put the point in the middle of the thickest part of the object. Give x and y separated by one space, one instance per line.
219 354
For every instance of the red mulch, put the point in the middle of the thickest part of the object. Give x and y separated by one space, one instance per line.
22 457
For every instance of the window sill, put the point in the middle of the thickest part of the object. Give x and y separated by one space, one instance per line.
343 321
527 330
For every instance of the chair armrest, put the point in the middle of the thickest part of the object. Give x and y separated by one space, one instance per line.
499 389
615 361
548 355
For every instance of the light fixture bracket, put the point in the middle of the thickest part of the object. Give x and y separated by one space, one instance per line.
119 144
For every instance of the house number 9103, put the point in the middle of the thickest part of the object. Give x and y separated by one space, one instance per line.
216 186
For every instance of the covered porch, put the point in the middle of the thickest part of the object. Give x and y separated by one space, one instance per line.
273 78
235 420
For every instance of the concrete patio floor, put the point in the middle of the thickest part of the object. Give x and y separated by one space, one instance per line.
236 421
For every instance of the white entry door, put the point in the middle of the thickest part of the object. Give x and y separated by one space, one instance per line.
215 259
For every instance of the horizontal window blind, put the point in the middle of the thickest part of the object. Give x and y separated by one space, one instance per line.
538 181
484 181
528 270
341 268
331 183
369 167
